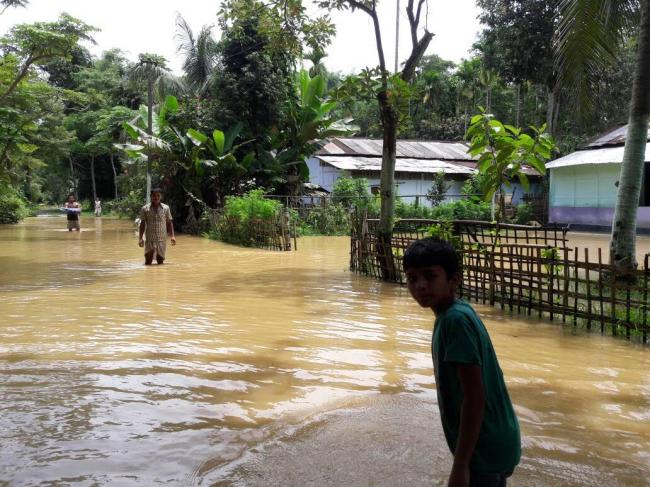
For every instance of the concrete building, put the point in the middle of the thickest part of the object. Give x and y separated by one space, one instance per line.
583 185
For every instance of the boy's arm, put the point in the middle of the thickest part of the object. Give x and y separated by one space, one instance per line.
170 231
141 229
471 419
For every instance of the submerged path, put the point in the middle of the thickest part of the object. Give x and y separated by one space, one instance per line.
226 362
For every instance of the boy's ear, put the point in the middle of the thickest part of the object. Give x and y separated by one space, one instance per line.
455 280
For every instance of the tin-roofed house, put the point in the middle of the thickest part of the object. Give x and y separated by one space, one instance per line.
583 185
416 164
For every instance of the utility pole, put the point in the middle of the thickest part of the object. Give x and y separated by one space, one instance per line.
397 37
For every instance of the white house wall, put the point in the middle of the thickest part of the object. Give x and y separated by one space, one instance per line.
589 186
415 184
323 174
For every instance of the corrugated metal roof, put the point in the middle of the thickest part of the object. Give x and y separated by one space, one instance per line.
423 149
354 163
607 155
615 136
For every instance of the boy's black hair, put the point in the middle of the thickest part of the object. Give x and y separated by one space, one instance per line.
432 251
156 190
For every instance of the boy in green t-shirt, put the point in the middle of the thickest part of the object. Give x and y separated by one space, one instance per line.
479 422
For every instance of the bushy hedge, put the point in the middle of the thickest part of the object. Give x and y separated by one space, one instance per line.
13 207
128 206
244 216
330 219
467 209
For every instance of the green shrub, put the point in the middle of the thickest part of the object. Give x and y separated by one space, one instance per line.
128 206
438 190
468 209
13 207
331 219
350 192
251 206
244 216
411 210
524 214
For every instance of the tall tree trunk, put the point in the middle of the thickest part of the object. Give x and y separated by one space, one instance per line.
623 242
517 105
114 175
92 176
553 110
73 178
387 214
150 132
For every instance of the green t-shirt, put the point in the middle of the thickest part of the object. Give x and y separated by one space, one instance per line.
459 337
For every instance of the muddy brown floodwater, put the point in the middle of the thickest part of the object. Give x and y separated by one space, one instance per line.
231 366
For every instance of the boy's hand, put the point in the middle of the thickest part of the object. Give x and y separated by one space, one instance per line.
459 476
173 241
141 242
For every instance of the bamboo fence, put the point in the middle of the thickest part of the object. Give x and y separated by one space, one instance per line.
527 270
277 234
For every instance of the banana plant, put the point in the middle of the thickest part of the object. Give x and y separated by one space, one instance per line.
215 159
310 120
159 141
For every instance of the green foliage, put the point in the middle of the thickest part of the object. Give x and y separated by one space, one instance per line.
590 36
251 207
503 152
411 210
466 209
445 230
309 122
351 192
244 215
524 213
473 186
438 190
39 43
328 219
371 84
13 206
127 206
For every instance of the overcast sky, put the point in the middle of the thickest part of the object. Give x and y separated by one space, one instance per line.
136 26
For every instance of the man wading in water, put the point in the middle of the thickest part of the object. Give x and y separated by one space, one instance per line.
157 220
73 209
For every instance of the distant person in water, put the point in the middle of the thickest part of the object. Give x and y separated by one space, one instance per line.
478 419
73 209
155 224
98 207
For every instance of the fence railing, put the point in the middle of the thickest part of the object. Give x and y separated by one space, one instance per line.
277 233
529 270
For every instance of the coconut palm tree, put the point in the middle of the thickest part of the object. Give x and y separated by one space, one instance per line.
589 35
200 55
5 4
152 69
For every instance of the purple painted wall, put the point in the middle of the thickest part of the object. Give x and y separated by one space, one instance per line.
594 216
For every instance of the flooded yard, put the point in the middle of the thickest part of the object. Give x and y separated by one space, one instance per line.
232 366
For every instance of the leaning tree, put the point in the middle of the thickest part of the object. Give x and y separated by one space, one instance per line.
589 36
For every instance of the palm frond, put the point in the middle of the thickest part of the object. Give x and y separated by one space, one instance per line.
199 53
589 36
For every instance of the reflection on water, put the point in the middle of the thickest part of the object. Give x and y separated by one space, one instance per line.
111 372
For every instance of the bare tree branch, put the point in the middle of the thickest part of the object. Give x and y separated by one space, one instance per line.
372 12
414 20
418 51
